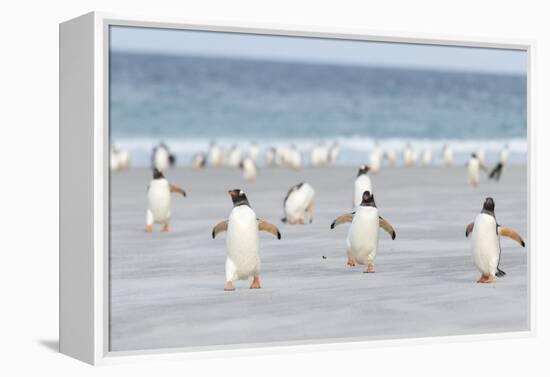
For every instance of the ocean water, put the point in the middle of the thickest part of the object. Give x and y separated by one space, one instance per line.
189 101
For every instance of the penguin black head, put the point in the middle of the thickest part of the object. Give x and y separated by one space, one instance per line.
368 199
157 174
363 169
238 197
489 205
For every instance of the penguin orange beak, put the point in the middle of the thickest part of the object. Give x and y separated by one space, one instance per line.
232 193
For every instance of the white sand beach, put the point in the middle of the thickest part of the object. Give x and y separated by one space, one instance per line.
167 288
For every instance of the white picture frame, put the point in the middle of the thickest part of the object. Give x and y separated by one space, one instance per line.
84 182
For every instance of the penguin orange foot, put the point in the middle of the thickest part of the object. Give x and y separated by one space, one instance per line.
351 261
148 228
165 228
255 283
370 268
229 286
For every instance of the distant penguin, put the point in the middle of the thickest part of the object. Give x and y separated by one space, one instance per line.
294 158
375 159
162 158
391 156
215 155
362 240
409 155
298 204
243 241
447 154
253 151
270 155
474 166
481 155
504 153
319 155
198 161
234 157
362 184
158 196
333 152
249 169
115 163
486 250
427 157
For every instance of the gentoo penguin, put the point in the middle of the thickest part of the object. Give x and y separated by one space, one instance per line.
158 195
391 156
234 157
253 151
333 152
319 155
486 244
162 158
481 155
427 157
409 155
447 154
497 170
362 241
298 204
243 241
198 161
294 157
375 159
270 156
115 163
362 184
474 165
215 155
249 169
504 153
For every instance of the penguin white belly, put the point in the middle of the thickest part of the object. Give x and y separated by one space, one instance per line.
249 170
448 156
243 244
159 200
298 202
215 156
504 157
375 159
362 241
485 244
362 184
473 172
161 160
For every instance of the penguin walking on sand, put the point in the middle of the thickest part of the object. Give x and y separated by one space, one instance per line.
485 232
375 159
298 204
447 154
158 196
427 157
234 157
198 161
249 169
362 184
474 166
243 241
162 158
215 155
497 170
362 240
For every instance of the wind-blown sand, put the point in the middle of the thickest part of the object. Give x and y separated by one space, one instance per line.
167 289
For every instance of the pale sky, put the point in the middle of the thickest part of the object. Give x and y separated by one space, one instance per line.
249 46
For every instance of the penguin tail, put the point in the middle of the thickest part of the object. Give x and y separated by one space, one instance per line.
500 273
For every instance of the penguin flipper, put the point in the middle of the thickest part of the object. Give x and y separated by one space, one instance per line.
268 227
174 188
347 218
469 229
387 227
510 233
219 228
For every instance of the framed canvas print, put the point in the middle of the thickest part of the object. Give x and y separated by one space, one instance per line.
228 187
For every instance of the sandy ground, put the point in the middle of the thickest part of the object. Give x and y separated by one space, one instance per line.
167 288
